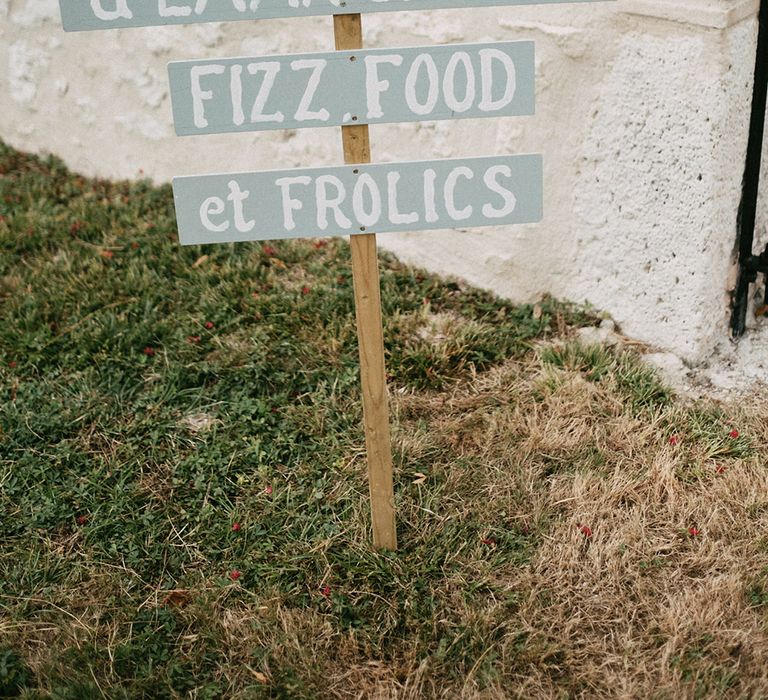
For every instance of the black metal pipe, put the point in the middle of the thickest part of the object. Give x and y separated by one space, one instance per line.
751 184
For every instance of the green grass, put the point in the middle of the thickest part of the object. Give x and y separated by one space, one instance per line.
637 385
154 395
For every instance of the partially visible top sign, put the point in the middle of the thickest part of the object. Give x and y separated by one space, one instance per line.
80 15
345 87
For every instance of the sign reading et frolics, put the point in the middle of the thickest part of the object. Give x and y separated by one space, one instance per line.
348 87
354 199
80 15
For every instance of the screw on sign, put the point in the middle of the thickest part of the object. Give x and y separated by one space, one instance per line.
351 88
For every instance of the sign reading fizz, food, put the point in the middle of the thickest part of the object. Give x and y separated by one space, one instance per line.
353 87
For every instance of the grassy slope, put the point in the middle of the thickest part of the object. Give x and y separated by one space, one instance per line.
153 396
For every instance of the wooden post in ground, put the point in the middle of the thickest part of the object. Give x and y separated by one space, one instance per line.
365 270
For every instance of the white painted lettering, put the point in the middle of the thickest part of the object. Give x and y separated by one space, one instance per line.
237 197
429 196
167 10
371 217
487 57
375 86
326 203
433 87
213 206
242 6
449 83
290 204
491 182
121 10
271 69
236 90
317 66
200 96
395 216
450 194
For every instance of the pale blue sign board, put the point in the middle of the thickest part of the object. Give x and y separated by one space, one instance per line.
459 81
353 199
79 15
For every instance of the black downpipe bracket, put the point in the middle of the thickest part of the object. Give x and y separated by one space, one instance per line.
751 265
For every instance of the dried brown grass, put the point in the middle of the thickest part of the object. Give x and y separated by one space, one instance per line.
639 607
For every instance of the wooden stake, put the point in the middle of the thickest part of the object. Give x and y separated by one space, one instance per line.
365 270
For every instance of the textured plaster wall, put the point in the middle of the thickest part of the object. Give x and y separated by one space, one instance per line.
661 176
642 116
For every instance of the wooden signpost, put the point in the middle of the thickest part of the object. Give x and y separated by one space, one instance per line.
351 88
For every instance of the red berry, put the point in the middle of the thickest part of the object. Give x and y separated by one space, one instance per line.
12 364
268 490
149 351
489 541
269 251
305 290
235 574
236 527
585 530
325 591
107 254
694 531
734 434
194 339
674 440
82 519
210 325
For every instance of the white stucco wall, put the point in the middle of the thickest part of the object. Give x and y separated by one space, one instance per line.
642 117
